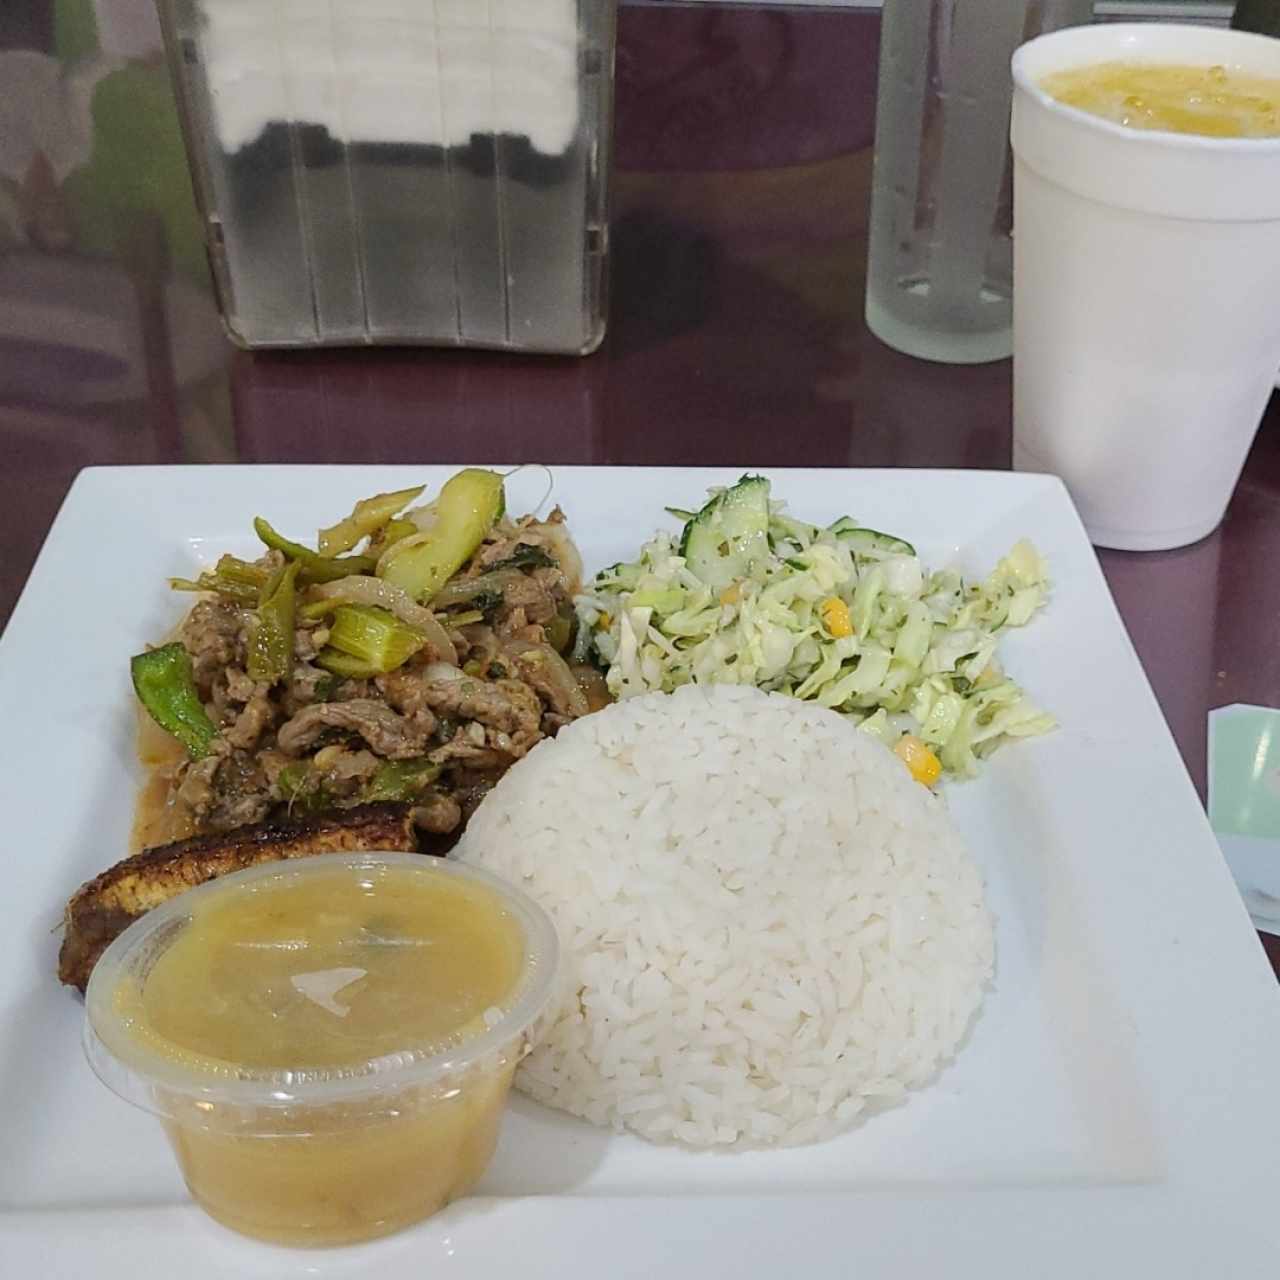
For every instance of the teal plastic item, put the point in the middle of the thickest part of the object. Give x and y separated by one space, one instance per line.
1244 803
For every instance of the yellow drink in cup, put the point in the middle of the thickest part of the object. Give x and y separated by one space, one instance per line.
1146 269
1214 101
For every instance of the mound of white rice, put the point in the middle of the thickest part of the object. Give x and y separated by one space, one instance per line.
769 928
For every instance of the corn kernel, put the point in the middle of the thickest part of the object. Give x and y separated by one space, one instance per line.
835 617
925 767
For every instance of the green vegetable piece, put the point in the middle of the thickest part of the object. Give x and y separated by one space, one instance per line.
368 516
392 532
400 780
486 602
870 542
301 788
865 595
730 535
483 592
166 687
466 510
560 632
373 636
317 609
326 688
237 580
525 557
344 665
313 567
233 591
271 631
243 572
293 780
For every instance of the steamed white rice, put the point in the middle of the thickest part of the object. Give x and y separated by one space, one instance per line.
769 929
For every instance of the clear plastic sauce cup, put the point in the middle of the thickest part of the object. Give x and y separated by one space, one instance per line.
416 986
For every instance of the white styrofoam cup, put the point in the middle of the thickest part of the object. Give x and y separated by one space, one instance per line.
1146 291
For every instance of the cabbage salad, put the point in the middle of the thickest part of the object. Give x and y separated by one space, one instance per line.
843 615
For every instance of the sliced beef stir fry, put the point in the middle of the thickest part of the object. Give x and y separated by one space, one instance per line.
364 694
428 733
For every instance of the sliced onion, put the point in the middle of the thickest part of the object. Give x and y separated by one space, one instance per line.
464 590
442 671
566 553
424 517
363 589
593 685
398 547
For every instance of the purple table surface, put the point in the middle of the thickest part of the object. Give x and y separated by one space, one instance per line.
736 335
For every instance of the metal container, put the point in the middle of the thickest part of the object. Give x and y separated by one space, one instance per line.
401 171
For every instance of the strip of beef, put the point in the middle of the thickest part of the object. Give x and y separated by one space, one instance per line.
530 595
505 541
231 688
505 705
240 685
507 723
389 734
107 905
226 789
500 719
481 644
351 691
308 640
304 687
546 671
511 625
214 634
469 746
257 716
406 691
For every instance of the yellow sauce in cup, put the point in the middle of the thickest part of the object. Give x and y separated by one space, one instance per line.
328 1046
331 971
351 1176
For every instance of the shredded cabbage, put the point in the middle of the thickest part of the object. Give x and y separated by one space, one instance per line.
921 657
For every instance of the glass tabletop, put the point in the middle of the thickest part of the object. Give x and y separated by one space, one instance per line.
736 335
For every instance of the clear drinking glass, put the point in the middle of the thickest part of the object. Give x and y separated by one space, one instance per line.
940 269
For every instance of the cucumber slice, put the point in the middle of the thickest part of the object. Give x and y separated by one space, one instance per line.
730 535
869 542
466 510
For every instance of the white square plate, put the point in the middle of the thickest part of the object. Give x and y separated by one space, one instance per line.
1115 1110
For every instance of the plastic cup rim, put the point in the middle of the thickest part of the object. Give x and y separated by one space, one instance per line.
113 1050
